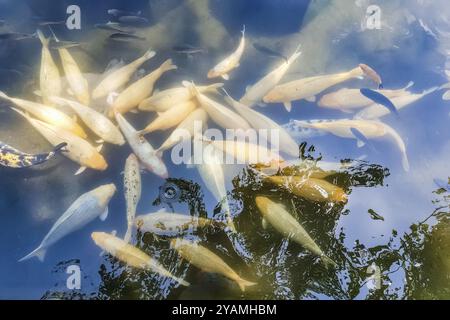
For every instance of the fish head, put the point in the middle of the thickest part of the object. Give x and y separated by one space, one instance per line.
104 193
99 237
97 162
328 101
339 195
214 73
132 158
174 243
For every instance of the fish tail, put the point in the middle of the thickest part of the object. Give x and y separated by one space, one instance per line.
405 162
43 39
243 30
328 262
192 88
127 236
39 253
4 95
356 73
149 54
244 284
431 90
213 87
409 85
297 53
167 65
181 281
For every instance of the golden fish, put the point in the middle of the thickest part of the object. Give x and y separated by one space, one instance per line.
207 261
310 188
130 255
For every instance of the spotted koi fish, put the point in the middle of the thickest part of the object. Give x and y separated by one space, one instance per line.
13 158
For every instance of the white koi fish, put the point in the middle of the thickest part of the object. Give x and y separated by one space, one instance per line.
171 224
261 122
132 96
85 209
114 80
211 172
377 111
186 129
369 128
166 99
77 149
349 99
97 122
257 92
171 117
308 88
50 79
142 148
132 187
220 114
47 114
231 62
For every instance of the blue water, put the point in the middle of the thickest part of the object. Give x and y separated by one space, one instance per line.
414 264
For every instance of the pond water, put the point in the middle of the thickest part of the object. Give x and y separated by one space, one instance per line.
390 239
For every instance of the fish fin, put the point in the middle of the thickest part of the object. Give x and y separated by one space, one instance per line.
247 88
101 253
225 76
104 214
60 147
345 111
431 90
445 86
114 233
264 224
360 143
409 85
405 162
311 99
4 95
359 77
446 95
244 283
101 141
134 111
38 253
127 236
214 87
288 106
111 97
99 147
183 282
80 171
